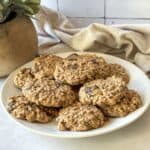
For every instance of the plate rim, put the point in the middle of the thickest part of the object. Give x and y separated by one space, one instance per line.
73 135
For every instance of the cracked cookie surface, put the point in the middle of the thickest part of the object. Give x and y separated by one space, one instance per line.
119 71
48 92
102 91
129 102
22 77
44 65
21 108
79 117
78 69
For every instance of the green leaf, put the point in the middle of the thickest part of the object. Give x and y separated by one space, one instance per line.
27 7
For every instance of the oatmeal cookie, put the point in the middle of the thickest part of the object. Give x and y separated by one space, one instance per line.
80 117
21 108
128 103
102 91
23 76
78 69
47 92
119 71
44 65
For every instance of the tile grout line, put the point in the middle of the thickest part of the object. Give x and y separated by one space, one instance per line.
104 11
57 5
87 17
127 18
109 18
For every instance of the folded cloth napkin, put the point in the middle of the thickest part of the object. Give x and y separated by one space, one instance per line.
57 34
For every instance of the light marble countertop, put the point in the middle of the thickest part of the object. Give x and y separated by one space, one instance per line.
133 137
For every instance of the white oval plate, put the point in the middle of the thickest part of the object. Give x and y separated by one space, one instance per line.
138 81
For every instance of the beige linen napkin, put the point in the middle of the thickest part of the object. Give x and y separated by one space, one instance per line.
56 34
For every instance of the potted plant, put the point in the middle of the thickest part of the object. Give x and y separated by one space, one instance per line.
18 38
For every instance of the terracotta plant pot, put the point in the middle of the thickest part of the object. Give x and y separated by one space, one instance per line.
18 43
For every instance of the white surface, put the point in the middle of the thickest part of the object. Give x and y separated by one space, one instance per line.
127 8
138 82
82 8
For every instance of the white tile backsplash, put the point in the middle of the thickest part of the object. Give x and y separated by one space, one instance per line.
82 8
84 12
50 4
127 8
83 22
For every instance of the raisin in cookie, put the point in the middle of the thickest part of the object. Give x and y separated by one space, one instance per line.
47 92
21 108
119 71
102 91
78 69
80 117
44 65
73 56
23 76
128 103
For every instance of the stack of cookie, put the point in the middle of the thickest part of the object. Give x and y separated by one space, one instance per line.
80 91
